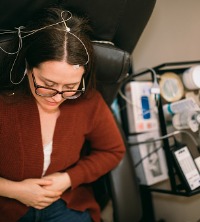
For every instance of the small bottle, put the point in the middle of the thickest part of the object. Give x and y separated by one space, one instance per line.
180 106
187 120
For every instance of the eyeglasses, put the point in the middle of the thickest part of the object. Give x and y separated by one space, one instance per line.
49 92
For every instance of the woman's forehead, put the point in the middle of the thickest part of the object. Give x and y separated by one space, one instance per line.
59 70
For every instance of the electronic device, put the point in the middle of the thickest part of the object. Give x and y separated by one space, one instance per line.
142 111
187 169
148 157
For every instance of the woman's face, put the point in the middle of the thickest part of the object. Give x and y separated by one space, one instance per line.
57 75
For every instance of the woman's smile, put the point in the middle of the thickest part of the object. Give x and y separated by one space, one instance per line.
52 103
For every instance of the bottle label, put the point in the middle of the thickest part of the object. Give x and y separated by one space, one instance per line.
169 109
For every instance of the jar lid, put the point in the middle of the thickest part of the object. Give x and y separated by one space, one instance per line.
171 87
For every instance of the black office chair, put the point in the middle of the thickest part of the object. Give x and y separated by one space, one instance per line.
117 26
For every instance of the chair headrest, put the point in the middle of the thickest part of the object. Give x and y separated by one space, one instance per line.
112 66
112 63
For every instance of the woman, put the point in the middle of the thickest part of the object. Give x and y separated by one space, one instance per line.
44 122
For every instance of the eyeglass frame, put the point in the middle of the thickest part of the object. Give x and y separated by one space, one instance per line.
82 91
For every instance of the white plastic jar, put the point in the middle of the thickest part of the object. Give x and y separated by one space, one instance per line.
191 78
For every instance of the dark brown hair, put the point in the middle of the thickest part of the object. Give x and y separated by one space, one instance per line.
52 42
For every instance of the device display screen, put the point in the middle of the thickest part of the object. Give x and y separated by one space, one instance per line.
145 107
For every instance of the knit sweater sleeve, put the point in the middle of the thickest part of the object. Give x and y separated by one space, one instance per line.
107 147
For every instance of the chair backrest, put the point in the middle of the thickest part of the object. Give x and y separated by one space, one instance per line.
124 190
118 21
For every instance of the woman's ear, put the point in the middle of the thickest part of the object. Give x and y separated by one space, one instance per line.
27 67
27 70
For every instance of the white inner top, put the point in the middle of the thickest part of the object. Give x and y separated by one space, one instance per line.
47 156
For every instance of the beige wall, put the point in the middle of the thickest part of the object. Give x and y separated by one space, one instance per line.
172 35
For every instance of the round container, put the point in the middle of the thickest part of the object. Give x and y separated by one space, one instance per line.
191 78
171 87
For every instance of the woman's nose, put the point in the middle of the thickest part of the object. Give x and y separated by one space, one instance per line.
57 97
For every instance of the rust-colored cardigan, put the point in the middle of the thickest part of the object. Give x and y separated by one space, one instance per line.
21 149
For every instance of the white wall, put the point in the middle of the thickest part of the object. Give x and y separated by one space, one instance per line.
172 35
